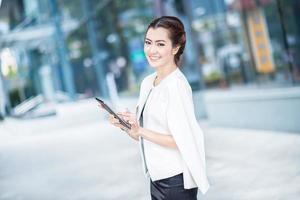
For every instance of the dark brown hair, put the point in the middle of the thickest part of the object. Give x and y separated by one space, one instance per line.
176 32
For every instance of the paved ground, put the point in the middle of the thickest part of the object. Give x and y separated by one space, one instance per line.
245 164
77 155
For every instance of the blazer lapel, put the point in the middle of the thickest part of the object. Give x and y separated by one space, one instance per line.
145 91
141 105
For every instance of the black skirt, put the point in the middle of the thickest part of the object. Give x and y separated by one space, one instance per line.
172 189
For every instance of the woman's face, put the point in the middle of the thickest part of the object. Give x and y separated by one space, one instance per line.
158 48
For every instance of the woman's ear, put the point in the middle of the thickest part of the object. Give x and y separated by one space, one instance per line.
175 50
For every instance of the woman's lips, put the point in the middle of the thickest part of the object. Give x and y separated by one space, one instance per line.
153 58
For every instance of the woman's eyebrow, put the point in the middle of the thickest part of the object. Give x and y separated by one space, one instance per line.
155 40
160 41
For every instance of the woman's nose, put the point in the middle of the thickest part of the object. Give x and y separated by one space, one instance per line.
153 49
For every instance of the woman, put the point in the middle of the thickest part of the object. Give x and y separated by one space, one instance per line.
170 138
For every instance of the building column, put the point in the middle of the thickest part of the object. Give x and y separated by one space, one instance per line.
97 60
68 77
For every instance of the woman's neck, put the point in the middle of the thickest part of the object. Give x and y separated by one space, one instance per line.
162 72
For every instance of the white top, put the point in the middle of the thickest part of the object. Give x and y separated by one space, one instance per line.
170 110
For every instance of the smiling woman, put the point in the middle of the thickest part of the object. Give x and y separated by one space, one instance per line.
169 35
172 152
158 48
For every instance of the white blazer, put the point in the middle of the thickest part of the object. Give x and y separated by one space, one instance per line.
183 126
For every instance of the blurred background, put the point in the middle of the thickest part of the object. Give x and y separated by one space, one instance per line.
241 59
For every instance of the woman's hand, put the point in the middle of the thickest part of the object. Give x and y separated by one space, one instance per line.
112 120
131 119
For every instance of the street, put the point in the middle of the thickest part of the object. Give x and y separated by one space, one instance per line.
78 155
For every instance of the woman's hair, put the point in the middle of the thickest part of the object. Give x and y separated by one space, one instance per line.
176 32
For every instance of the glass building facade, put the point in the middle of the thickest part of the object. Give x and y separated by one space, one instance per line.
250 43
73 45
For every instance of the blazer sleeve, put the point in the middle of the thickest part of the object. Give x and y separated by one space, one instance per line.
186 131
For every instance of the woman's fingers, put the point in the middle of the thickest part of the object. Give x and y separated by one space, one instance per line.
110 118
113 120
132 120
125 116
100 106
126 112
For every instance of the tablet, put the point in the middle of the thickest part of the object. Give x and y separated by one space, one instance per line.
108 109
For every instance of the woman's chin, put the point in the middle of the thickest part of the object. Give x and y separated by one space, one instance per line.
154 64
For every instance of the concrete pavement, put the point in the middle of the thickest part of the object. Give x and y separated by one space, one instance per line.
252 165
78 155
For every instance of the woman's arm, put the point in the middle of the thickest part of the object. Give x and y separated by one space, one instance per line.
157 138
136 131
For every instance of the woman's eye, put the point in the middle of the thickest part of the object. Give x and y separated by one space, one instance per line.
147 43
160 44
